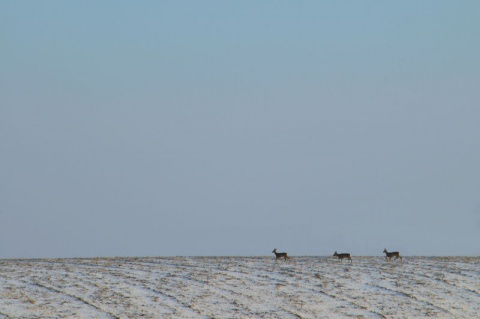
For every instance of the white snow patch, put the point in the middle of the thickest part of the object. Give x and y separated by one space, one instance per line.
240 287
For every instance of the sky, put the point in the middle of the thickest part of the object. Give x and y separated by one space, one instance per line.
195 128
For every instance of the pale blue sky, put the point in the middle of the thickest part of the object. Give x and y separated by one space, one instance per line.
133 128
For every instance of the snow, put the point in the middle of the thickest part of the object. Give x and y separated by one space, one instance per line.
240 287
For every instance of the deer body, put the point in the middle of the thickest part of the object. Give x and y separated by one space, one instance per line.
280 255
389 255
343 255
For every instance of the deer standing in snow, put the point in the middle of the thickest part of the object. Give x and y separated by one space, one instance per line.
389 255
343 255
280 255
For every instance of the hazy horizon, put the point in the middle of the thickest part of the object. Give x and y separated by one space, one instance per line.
334 259
216 128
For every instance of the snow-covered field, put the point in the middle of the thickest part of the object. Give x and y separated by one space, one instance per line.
240 287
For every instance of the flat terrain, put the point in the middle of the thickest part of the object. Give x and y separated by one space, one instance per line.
240 287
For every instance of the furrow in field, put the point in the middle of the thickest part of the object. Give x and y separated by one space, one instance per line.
258 291
132 296
28 299
79 298
119 276
237 290
428 309
344 281
418 278
298 297
319 283
75 282
241 287
422 280
339 281
201 287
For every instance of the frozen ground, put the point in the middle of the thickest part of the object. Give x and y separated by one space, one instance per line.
243 287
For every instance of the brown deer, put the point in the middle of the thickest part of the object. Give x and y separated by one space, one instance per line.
280 255
389 255
343 255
